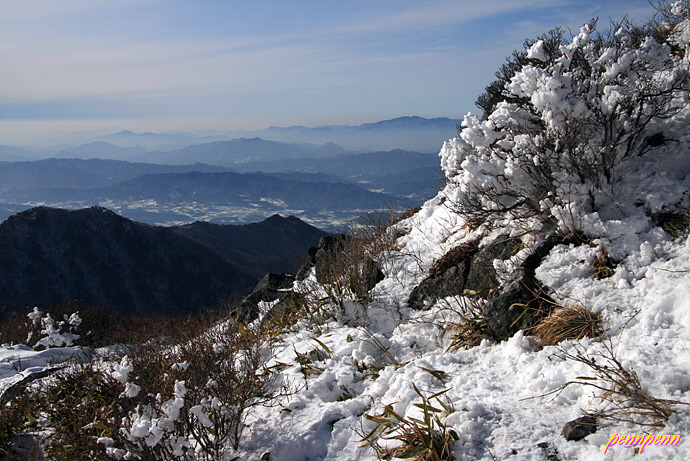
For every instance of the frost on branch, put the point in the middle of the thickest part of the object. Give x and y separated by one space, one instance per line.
570 118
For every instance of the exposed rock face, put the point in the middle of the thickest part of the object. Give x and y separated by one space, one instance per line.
326 257
481 277
26 447
509 307
267 290
447 283
463 268
521 301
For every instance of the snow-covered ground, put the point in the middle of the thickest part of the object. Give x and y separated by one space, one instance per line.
495 388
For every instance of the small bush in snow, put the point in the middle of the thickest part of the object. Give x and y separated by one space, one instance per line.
82 405
425 439
16 417
182 396
192 396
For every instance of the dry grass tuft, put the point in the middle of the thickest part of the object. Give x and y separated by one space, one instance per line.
576 238
426 439
604 266
622 395
415 445
568 322
674 223
468 333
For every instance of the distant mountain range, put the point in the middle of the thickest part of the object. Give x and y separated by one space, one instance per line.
93 255
84 174
317 189
219 189
397 172
306 174
410 133
15 154
243 150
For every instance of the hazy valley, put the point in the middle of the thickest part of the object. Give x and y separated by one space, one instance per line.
229 181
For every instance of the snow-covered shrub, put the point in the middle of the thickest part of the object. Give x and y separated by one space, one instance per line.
52 334
191 398
570 118
80 406
16 417
180 396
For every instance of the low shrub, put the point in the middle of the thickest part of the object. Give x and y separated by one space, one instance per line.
183 395
622 395
82 405
565 117
18 416
425 439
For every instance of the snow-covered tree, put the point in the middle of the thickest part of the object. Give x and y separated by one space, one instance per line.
572 113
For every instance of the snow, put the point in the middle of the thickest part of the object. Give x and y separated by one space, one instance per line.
536 51
494 388
19 361
364 356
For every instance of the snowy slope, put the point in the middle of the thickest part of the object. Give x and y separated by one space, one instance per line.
494 388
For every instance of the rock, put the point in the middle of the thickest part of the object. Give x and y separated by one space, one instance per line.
322 257
507 311
521 301
326 257
481 276
369 274
308 264
267 290
339 257
26 447
549 451
448 283
463 268
515 305
580 428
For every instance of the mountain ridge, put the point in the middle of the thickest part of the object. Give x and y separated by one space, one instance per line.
50 255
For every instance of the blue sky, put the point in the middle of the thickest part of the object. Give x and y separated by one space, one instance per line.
158 65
